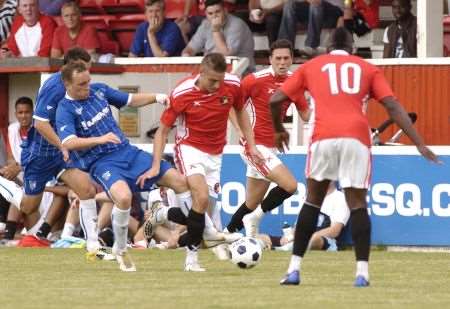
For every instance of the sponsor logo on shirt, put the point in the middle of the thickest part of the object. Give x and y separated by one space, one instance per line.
100 115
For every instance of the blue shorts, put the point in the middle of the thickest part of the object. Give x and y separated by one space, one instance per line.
39 170
126 164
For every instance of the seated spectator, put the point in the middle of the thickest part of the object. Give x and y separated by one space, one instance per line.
74 33
270 16
52 7
223 33
7 12
361 16
158 36
316 13
31 33
400 38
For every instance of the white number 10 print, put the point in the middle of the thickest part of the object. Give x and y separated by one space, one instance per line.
347 86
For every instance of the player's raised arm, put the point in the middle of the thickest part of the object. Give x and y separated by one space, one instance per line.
401 118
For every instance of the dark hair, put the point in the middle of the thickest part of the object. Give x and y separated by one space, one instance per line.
213 2
151 2
279 44
75 54
70 68
215 62
24 101
341 38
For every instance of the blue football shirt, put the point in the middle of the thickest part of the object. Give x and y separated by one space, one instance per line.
91 117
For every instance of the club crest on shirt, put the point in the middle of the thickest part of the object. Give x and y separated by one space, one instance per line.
106 175
224 100
100 95
79 110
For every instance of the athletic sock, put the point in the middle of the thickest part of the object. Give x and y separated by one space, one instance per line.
120 218
361 229
295 263
306 226
10 230
44 230
236 224
195 227
274 198
88 221
362 269
68 230
175 214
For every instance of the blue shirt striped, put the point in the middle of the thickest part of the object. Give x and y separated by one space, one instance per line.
91 118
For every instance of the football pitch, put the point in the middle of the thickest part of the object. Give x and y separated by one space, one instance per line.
61 278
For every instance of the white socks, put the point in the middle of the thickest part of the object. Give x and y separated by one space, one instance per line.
68 230
362 269
295 263
11 191
88 222
120 218
258 212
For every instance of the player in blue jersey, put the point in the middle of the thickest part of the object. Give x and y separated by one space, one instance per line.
43 158
88 129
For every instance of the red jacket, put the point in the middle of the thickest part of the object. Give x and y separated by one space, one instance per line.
47 25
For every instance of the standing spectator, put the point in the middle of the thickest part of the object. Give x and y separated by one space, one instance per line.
400 38
52 7
361 16
317 13
7 12
222 33
74 33
158 36
31 33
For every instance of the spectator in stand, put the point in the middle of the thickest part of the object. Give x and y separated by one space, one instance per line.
52 7
31 33
361 16
7 12
158 36
193 15
74 33
270 16
317 14
222 33
400 38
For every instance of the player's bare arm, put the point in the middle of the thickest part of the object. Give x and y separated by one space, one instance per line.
79 143
159 143
247 131
401 118
143 99
281 136
233 119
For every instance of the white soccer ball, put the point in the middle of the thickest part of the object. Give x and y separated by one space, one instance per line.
246 252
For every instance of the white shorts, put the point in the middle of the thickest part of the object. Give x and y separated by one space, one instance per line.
346 160
260 171
191 161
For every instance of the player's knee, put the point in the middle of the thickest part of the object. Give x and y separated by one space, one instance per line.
202 199
123 199
86 191
290 187
180 184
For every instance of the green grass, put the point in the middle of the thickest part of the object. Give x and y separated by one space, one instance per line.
47 278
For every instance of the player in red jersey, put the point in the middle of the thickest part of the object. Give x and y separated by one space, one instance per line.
258 88
200 104
340 85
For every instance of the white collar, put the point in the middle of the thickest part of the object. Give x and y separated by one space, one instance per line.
340 52
68 97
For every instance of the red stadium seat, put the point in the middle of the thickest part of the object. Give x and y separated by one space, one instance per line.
123 30
101 23
123 6
91 7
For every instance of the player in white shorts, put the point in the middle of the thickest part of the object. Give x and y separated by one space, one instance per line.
257 89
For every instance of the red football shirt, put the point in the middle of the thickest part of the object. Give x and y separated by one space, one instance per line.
340 85
202 116
257 88
87 38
